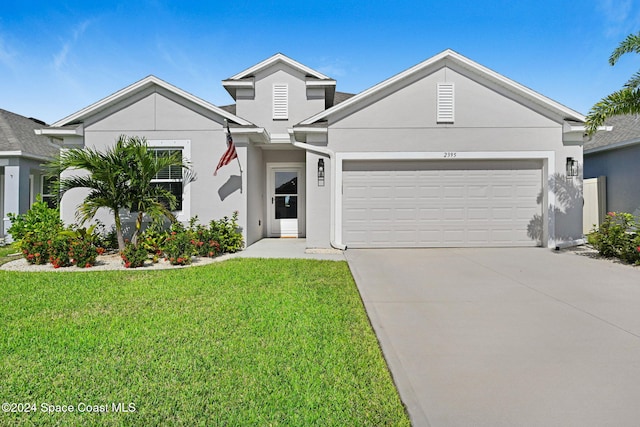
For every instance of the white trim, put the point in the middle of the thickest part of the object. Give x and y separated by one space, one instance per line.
24 155
141 85
455 58
278 57
183 215
77 131
548 166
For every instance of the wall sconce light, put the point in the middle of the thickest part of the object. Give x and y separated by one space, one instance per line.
320 172
572 167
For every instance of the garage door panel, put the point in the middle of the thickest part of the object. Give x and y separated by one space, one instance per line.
435 204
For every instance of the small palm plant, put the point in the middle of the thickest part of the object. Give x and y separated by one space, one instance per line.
120 178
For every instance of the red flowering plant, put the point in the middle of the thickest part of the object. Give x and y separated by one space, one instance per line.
178 246
59 251
133 256
36 247
203 239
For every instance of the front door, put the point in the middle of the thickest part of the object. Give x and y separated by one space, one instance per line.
286 201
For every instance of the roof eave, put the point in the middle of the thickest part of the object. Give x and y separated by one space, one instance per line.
136 87
558 109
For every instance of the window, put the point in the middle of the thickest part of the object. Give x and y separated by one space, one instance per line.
445 103
170 178
280 101
47 193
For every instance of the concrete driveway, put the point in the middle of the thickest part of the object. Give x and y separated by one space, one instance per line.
506 337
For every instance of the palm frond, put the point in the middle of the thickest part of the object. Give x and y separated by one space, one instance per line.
634 81
628 45
624 101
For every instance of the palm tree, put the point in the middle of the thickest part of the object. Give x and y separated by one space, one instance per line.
623 101
118 178
145 196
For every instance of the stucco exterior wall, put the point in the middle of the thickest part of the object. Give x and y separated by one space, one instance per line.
621 168
486 120
259 109
156 117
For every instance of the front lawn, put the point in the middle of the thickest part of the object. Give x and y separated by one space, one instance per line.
241 342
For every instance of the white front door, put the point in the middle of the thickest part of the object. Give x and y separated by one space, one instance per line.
286 201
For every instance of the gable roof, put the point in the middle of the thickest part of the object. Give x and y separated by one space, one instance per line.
246 79
444 58
625 131
139 86
278 57
18 137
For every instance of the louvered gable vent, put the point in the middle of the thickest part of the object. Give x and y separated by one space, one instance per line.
280 101
445 103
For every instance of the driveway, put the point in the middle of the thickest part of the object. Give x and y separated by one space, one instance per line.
506 337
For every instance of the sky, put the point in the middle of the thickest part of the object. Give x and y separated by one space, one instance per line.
57 57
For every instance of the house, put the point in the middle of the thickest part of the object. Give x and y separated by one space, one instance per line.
616 155
22 154
447 153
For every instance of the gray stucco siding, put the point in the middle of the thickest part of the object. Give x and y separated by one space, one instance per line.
151 117
259 109
620 166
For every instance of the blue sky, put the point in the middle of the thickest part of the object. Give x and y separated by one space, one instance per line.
57 57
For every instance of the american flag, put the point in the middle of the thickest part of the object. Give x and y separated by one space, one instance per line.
228 155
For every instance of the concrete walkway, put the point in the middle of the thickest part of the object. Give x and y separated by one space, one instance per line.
288 248
506 337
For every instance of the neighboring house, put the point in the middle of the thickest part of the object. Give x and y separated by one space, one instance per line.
22 154
616 155
446 153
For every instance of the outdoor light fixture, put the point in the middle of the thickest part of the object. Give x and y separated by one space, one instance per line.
572 167
320 172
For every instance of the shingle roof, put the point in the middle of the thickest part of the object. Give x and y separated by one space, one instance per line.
626 129
17 133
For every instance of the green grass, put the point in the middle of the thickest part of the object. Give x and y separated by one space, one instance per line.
5 252
242 342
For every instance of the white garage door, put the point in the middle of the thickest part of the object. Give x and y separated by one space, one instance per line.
456 203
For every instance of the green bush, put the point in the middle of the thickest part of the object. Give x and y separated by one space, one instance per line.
178 246
227 233
39 220
59 251
203 239
133 256
83 253
617 237
36 247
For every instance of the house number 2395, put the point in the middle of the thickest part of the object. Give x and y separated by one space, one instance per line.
449 155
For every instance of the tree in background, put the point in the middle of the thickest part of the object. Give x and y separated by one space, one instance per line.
623 101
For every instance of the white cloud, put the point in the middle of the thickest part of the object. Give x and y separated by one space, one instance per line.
620 18
7 57
60 58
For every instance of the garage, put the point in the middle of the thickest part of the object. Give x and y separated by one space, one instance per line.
436 203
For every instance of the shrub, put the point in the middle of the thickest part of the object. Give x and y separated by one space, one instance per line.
227 233
153 239
59 251
617 237
133 256
203 239
178 248
39 220
36 247
83 253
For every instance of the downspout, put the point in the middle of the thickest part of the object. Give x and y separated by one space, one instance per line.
332 159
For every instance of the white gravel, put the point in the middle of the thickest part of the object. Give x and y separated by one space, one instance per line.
106 262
